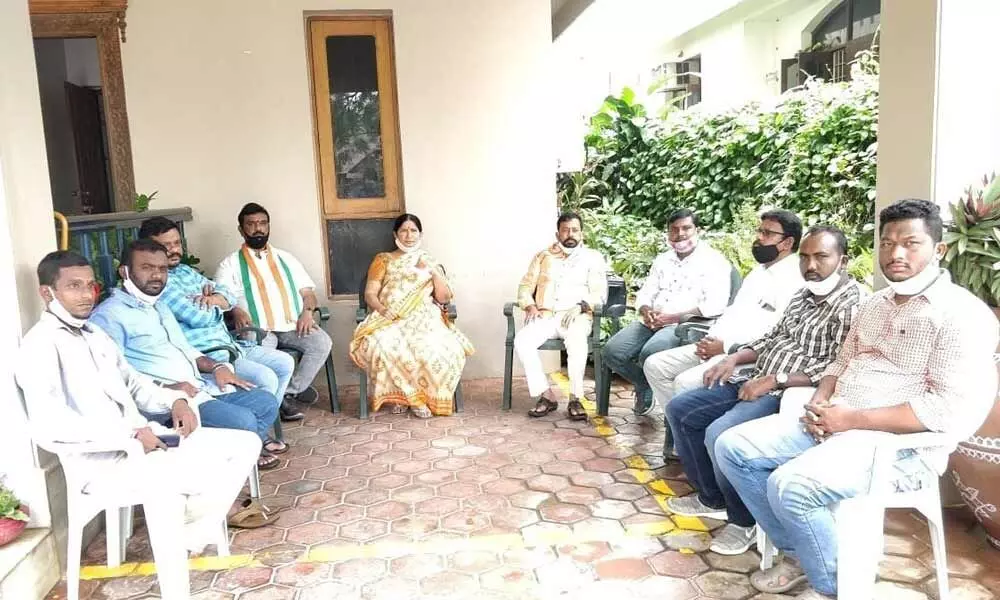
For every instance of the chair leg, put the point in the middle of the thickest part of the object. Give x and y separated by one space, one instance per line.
222 545
74 551
508 374
459 405
363 396
767 550
254 481
164 517
859 539
936 524
113 535
331 384
129 523
601 376
278 434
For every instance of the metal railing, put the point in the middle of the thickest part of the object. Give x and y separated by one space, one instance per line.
102 237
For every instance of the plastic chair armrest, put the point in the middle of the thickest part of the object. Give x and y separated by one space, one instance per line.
132 447
227 349
322 313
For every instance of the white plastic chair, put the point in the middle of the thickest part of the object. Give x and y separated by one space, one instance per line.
82 506
860 520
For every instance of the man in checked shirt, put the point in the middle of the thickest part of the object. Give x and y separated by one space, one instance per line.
794 353
918 358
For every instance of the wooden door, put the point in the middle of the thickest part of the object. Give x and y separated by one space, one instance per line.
88 136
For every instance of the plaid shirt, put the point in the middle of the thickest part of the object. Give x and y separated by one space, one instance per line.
934 352
203 328
809 334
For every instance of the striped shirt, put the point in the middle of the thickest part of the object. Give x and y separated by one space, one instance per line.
204 328
810 333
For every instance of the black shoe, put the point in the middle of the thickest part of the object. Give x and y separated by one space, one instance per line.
306 396
288 412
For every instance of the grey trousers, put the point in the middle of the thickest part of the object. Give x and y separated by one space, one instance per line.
315 348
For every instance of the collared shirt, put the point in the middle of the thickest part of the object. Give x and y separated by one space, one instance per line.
933 352
556 282
759 304
229 275
79 388
700 280
809 334
204 328
151 339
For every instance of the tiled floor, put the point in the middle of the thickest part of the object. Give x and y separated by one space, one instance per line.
488 504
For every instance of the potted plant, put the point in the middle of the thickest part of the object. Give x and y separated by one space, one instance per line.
13 516
973 258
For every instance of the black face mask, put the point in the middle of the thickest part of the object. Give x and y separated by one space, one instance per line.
764 254
257 242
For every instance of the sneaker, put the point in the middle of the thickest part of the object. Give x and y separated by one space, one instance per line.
733 540
691 506
785 575
288 412
643 404
306 396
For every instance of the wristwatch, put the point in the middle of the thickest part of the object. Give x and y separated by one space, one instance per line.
782 380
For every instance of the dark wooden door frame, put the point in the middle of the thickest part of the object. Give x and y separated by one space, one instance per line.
105 27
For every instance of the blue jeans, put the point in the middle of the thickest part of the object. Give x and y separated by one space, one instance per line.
697 418
253 410
267 368
789 482
628 349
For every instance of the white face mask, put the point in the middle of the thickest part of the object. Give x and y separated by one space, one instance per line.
56 308
919 282
824 287
408 249
135 291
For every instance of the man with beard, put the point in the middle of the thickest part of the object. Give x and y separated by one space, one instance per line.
918 358
690 280
199 305
79 389
793 354
563 282
274 292
758 305
154 344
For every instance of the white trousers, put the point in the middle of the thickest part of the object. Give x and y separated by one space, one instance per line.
676 371
536 333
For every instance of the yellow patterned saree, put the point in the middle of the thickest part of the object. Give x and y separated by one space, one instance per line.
418 358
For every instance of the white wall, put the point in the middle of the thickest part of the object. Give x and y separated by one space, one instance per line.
220 114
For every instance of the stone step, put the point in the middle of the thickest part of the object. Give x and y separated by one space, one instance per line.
29 566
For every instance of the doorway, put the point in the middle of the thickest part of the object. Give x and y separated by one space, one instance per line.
76 140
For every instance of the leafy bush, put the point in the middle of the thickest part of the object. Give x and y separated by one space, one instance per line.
973 238
629 243
10 506
812 151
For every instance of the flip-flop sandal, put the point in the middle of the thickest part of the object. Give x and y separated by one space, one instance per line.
543 407
780 578
281 449
576 411
252 516
267 461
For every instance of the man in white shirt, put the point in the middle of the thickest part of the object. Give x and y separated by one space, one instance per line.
563 282
275 293
78 388
691 279
761 301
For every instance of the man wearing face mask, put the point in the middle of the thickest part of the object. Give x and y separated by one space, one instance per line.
563 282
691 279
918 358
154 345
793 354
198 304
78 388
758 305
274 292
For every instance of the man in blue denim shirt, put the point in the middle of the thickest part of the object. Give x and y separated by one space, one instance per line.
199 305
154 344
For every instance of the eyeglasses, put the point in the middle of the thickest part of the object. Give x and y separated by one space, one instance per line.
769 232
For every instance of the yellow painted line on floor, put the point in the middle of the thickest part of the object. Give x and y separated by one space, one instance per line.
201 563
637 465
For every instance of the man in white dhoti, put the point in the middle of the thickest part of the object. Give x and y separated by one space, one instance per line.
78 387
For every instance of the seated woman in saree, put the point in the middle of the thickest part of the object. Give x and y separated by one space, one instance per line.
413 354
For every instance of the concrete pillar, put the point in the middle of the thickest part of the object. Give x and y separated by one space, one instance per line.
939 119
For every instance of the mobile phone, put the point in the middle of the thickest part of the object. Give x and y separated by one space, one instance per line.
170 440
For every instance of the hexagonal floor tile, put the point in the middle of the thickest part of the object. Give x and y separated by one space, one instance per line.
363 530
560 512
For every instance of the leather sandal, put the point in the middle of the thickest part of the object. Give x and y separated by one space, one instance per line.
275 446
543 407
267 461
252 515
575 411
